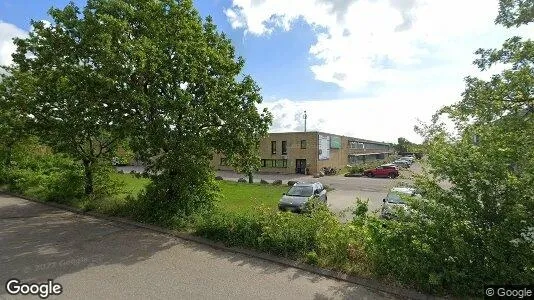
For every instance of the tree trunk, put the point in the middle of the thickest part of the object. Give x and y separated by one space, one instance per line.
9 151
88 167
250 178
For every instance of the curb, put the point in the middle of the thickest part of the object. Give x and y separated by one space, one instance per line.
368 283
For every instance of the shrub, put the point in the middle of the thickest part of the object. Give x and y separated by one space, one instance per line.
312 258
38 172
287 234
232 229
279 233
263 181
277 182
172 198
242 180
291 183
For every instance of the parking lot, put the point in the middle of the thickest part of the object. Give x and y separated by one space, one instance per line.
346 189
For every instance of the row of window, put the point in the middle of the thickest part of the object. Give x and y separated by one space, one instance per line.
359 145
265 163
274 163
284 146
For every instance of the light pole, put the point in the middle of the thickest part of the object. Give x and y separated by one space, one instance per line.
305 117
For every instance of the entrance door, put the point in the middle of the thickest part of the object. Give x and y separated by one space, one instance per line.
300 166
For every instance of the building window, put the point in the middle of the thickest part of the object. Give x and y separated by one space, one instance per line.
273 147
224 161
356 145
274 163
284 147
303 144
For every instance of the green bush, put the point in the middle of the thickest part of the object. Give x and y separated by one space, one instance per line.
281 233
233 229
172 197
37 172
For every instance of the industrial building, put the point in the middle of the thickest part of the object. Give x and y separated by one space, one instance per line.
309 152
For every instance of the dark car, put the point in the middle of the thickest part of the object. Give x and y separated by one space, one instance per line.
299 194
390 171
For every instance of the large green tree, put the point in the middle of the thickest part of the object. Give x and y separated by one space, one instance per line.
186 91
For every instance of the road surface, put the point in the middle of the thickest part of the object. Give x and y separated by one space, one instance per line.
97 259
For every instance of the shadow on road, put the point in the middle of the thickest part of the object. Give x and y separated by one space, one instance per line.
39 243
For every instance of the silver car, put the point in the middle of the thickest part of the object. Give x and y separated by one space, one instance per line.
402 163
393 201
299 194
411 159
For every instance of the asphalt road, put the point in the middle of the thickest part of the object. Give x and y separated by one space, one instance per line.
96 259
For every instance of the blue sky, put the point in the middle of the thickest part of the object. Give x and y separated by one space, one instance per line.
365 68
278 69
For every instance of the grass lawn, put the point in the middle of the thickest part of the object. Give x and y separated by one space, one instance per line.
236 197
244 197
131 185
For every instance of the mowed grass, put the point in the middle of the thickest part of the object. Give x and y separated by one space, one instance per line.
235 197
130 185
245 197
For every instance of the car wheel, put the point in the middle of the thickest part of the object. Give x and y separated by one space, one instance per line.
392 175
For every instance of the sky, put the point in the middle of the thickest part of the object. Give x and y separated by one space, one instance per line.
365 68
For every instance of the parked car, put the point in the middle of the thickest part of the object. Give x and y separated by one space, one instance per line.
393 201
408 158
402 163
389 170
299 194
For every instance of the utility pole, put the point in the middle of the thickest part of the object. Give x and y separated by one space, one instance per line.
305 117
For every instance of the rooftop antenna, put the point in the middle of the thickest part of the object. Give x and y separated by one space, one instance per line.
305 117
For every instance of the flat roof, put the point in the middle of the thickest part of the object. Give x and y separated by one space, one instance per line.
365 154
351 139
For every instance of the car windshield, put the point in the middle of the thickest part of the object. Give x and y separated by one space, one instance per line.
394 198
300 191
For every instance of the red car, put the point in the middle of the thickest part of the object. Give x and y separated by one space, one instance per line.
390 171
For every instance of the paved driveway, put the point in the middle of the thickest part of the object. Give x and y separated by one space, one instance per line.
96 259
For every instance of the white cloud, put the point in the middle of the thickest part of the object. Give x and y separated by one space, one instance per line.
7 33
418 51
382 118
